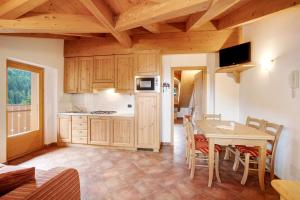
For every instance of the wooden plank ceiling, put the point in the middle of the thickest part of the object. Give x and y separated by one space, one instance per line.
130 21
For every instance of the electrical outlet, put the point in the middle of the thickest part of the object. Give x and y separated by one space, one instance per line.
129 106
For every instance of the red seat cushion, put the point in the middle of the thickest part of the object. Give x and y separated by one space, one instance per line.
200 137
203 147
254 151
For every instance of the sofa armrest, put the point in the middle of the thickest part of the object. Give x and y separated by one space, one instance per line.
57 183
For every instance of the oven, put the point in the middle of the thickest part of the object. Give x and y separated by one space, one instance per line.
147 84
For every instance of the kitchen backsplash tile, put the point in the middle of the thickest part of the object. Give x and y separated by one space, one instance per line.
104 100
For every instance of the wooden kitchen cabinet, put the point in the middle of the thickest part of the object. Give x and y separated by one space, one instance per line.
85 65
123 132
147 124
124 73
103 69
147 63
79 129
70 75
64 129
101 129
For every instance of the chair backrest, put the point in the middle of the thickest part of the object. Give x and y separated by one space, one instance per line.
256 123
212 117
186 120
275 130
191 138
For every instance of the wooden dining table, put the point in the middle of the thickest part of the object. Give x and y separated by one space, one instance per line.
232 133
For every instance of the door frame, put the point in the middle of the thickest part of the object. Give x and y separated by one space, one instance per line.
40 71
204 96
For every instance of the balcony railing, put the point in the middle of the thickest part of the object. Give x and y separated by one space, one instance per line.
18 117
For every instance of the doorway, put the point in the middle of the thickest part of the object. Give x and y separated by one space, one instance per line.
189 94
25 109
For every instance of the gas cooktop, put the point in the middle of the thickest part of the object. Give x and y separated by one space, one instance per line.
104 112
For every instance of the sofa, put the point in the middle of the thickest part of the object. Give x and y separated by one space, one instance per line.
56 183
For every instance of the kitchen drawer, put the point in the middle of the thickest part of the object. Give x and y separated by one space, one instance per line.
79 119
79 133
79 125
79 140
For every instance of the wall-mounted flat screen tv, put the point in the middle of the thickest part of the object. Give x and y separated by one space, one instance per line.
238 54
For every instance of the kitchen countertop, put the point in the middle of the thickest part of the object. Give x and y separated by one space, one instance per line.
100 115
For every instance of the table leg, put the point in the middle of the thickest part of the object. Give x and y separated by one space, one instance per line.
211 160
262 166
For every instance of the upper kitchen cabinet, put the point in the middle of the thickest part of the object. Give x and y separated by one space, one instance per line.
85 65
124 73
71 75
104 69
77 75
147 62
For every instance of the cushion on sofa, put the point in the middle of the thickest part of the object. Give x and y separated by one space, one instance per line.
11 177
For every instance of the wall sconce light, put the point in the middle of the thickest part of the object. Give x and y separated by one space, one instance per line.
267 64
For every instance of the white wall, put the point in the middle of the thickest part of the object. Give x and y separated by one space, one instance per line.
226 97
169 61
104 100
46 53
266 94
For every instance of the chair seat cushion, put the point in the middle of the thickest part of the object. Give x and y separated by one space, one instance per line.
203 147
254 151
200 137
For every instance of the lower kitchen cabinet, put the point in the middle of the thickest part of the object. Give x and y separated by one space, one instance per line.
97 130
123 132
100 130
64 129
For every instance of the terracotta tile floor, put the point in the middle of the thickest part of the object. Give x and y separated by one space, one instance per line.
117 174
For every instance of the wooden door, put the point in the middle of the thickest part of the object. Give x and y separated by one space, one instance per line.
123 133
100 130
124 73
25 114
64 129
147 63
85 65
103 69
147 121
70 75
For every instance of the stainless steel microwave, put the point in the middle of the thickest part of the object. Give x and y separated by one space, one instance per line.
147 84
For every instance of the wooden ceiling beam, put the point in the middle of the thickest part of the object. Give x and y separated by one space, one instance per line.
52 23
164 28
252 11
167 43
13 9
149 13
217 7
104 15
42 35
153 28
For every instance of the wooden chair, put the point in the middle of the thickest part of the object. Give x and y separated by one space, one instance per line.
198 150
251 154
186 120
199 135
251 122
212 117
